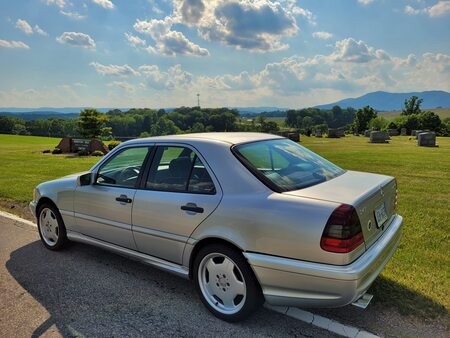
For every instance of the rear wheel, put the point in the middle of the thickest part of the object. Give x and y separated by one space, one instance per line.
51 227
226 283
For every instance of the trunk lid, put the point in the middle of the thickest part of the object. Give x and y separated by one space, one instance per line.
372 195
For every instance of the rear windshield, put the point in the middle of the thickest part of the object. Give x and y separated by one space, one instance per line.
286 165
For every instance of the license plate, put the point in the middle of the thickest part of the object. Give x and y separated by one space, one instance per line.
380 215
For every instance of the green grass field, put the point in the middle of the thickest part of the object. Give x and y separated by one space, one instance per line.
416 281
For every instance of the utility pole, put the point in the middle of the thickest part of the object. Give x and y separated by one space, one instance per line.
198 100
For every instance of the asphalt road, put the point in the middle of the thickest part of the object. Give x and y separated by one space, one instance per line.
87 292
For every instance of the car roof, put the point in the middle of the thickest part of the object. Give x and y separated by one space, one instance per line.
226 137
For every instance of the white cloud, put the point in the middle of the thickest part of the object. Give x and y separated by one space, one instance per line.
167 41
77 39
40 31
322 35
107 4
253 25
114 70
24 26
73 15
365 2
350 50
128 87
135 41
13 44
59 3
174 78
441 8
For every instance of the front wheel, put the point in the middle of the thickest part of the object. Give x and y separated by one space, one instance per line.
51 227
226 283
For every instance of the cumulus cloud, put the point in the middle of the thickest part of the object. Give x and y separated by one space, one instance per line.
13 44
441 8
350 50
114 70
63 9
253 25
76 39
107 4
73 15
24 26
322 35
40 31
174 78
135 41
167 41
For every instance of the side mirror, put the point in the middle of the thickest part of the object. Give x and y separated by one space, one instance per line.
85 179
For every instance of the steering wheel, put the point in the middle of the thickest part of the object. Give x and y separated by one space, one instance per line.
128 173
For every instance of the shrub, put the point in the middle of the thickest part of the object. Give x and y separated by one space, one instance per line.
83 153
97 153
113 144
46 151
57 151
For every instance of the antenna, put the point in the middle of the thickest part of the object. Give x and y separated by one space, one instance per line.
198 100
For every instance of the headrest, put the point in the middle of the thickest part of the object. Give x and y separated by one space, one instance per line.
180 167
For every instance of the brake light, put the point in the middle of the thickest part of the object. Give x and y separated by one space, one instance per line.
343 231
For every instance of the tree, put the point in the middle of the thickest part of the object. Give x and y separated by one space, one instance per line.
429 121
91 123
363 117
412 106
378 123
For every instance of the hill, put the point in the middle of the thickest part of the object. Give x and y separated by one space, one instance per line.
384 101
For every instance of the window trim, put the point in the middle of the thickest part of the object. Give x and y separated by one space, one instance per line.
144 180
150 150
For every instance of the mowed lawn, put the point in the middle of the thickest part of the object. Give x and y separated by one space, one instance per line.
416 281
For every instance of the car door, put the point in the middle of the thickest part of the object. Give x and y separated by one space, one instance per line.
103 209
179 192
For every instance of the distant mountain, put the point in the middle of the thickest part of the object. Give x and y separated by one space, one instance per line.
384 101
40 115
49 110
257 110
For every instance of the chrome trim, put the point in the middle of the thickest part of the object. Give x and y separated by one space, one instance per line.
159 263
66 212
157 233
102 221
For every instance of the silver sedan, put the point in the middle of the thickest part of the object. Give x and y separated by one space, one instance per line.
249 217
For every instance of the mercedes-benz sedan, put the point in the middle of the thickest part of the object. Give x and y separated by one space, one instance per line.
248 216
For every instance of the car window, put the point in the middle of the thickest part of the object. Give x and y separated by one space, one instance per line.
178 169
286 164
123 169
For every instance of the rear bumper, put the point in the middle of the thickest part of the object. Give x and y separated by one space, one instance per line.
293 282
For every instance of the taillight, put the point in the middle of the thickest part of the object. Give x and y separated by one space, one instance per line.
343 231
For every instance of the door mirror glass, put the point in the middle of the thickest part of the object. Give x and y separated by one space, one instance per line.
85 179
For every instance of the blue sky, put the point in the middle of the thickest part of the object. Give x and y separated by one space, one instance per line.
286 53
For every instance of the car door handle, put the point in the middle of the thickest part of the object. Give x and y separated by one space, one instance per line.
124 199
192 207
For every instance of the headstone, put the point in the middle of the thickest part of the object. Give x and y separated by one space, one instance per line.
65 145
333 133
415 132
367 133
318 134
426 139
341 132
379 137
392 132
294 137
95 145
403 132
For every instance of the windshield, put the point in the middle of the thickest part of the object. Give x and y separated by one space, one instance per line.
286 165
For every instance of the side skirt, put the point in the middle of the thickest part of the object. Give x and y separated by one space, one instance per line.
159 263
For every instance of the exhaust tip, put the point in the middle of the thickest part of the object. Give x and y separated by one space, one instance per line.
363 301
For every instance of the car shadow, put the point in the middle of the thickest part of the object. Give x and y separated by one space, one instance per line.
91 292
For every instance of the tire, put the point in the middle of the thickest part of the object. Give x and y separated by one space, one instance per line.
51 227
226 283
